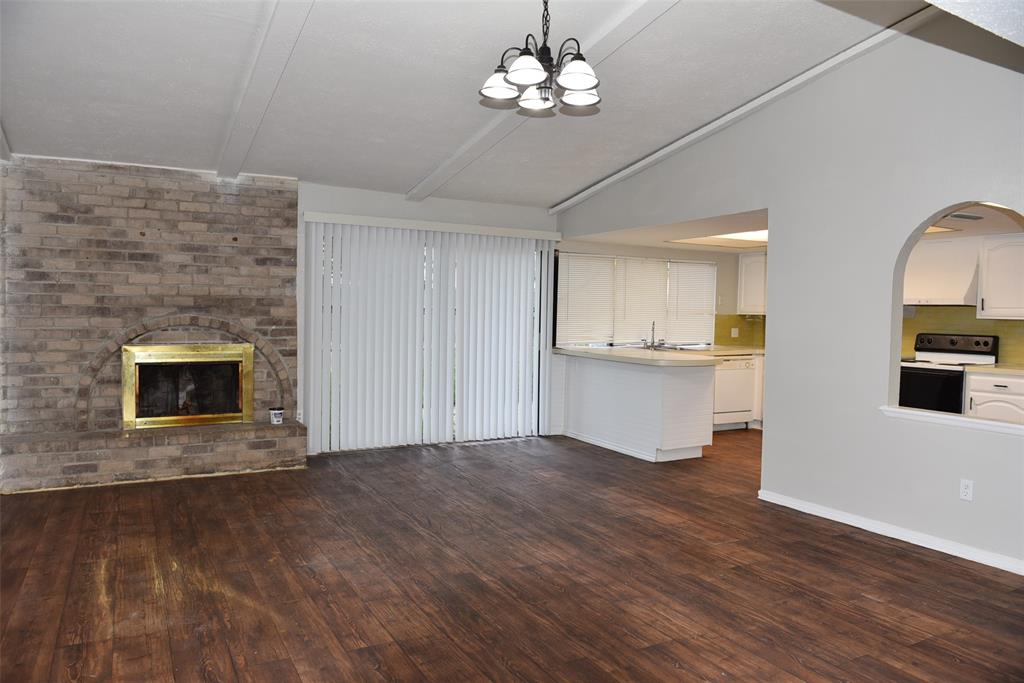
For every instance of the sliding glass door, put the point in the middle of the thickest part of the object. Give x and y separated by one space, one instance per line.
422 336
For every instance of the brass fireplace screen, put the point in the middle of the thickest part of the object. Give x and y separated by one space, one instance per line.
186 384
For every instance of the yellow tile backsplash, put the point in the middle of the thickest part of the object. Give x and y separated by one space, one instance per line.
751 329
960 320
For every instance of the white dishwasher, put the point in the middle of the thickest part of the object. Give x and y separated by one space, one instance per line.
734 390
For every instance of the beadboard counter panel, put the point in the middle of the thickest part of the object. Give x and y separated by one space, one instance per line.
652 412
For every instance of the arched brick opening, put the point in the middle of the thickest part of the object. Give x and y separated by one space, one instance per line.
92 369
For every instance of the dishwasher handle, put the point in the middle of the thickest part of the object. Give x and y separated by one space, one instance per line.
742 363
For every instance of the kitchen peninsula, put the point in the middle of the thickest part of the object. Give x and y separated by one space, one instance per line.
656 405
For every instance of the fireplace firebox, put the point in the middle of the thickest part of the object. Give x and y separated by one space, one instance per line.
186 384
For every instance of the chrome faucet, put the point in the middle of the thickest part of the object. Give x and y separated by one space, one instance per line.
652 345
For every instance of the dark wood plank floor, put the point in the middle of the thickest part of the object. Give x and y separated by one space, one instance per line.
539 559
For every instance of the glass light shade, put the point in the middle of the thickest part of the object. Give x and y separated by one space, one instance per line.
577 75
537 98
497 88
581 98
526 70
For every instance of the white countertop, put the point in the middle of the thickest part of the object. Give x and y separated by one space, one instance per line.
668 358
997 369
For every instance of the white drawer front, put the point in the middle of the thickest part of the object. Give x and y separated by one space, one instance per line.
996 384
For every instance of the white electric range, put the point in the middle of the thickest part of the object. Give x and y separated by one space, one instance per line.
934 378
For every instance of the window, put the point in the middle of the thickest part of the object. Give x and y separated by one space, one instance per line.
585 298
606 299
691 302
641 299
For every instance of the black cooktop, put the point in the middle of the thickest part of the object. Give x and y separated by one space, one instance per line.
957 343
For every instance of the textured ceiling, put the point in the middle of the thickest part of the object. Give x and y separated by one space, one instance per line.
143 82
379 95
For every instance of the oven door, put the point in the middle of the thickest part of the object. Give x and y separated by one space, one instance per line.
932 388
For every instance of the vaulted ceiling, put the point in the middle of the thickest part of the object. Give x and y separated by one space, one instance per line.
383 95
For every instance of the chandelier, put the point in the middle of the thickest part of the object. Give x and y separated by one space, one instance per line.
534 73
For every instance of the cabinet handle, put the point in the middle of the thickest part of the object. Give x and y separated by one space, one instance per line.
983 303
1001 386
972 404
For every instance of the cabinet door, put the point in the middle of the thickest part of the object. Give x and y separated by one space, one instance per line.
996 407
1001 278
751 288
943 272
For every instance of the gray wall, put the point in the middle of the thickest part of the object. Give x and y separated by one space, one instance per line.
725 283
851 167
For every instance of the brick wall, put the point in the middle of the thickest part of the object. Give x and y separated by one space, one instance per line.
96 255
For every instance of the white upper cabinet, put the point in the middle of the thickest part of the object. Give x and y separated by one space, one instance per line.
943 272
1001 277
751 289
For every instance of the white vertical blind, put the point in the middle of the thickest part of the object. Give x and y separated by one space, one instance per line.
419 336
615 299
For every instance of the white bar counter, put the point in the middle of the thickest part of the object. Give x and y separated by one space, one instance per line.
653 405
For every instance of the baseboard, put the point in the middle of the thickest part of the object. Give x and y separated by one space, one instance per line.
618 448
1005 562
684 453
154 480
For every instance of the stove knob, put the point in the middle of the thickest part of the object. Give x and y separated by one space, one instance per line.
929 340
977 343
985 343
952 342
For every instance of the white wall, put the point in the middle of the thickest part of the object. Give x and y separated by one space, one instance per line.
849 166
325 198
727 263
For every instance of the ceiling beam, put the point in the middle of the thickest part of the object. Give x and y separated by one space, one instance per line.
898 29
279 40
622 28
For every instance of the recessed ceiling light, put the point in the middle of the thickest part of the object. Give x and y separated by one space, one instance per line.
749 236
749 239
938 228
966 216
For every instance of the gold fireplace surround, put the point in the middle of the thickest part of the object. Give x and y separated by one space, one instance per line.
132 356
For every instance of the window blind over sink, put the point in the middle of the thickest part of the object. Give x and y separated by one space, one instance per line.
585 298
606 299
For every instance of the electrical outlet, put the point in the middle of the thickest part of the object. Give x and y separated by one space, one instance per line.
967 489
734 332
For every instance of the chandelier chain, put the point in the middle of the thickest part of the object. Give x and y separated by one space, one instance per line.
545 22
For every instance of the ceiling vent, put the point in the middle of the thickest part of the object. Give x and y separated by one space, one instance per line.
966 216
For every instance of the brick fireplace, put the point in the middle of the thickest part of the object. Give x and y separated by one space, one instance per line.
102 257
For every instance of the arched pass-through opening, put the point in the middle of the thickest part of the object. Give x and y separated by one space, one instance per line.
958 312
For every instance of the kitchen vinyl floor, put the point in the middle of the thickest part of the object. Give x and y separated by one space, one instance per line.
535 559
